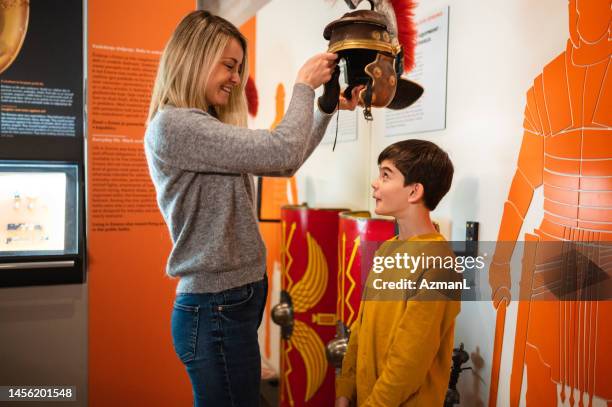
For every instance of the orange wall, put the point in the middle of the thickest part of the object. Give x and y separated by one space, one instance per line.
249 30
131 358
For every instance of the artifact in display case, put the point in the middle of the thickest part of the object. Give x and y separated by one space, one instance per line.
32 211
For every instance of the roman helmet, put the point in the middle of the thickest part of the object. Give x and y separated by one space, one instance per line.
373 58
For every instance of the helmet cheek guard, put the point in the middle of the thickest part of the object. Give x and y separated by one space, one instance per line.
382 75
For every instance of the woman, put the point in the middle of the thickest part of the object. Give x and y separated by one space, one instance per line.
200 157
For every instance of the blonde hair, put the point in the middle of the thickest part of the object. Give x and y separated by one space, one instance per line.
187 61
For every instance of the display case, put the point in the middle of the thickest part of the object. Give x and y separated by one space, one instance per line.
42 144
41 223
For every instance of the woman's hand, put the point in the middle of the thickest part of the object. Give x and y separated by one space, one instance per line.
317 70
346 104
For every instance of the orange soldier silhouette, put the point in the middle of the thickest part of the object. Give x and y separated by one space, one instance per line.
567 150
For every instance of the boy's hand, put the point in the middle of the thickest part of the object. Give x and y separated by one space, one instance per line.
350 104
342 402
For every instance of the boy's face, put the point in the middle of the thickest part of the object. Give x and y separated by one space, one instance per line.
392 196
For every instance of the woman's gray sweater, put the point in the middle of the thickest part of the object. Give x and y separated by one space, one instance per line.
201 171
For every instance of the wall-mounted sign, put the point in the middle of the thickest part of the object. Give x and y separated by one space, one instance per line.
346 124
41 68
431 53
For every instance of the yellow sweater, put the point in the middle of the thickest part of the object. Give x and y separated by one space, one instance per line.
399 352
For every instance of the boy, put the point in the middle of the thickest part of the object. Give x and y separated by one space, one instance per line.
399 352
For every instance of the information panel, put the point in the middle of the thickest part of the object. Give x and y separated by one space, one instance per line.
429 112
41 68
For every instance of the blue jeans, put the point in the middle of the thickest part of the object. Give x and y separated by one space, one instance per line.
215 336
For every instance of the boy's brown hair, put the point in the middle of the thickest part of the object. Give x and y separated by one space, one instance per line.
423 162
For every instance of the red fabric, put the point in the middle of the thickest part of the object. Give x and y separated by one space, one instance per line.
252 97
406 29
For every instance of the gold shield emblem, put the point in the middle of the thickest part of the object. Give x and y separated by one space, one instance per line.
13 26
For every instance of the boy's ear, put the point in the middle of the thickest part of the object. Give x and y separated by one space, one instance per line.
417 192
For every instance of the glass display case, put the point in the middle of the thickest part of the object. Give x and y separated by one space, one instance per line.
38 209
40 223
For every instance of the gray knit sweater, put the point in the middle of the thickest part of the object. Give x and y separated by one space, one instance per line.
201 171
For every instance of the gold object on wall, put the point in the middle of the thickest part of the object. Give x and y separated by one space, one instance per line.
13 26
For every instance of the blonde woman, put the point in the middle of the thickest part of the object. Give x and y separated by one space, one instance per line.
201 158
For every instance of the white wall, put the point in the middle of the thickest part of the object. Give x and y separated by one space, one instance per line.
288 33
496 49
